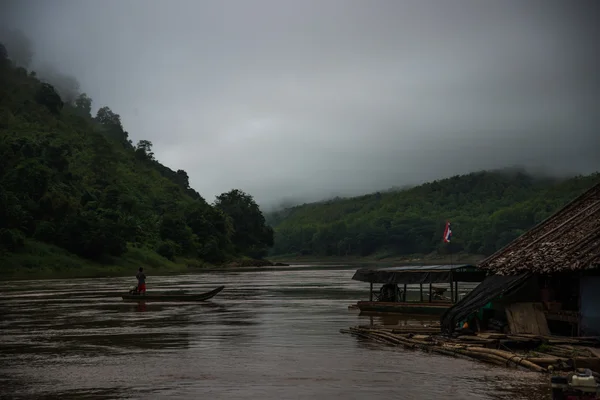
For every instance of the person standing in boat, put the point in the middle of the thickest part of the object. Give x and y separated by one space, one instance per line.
141 278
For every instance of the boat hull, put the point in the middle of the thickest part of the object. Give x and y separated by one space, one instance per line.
403 307
173 297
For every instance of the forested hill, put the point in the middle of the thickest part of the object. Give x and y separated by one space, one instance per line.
487 210
75 184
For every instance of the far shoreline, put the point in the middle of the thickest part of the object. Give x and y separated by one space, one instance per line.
430 259
47 271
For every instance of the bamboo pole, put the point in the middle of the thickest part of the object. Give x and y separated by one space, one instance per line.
493 356
546 361
510 357
362 334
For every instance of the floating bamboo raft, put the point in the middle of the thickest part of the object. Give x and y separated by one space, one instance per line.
536 353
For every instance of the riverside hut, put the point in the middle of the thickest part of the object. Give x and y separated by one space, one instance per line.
545 281
423 275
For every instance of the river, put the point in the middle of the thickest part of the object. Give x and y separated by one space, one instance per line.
269 335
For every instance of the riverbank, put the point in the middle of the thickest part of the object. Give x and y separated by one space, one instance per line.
38 260
378 259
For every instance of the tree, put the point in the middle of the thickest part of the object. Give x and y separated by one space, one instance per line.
251 234
94 232
83 104
212 230
144 150
106 116
182 179
113 128
47 96
173 228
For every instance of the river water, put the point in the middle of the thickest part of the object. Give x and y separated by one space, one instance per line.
268 335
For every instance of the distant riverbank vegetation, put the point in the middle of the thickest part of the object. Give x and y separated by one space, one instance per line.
487 210
79 198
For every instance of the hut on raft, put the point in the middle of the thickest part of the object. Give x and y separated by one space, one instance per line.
545 282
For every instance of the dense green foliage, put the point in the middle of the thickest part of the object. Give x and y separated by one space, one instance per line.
251 235
76 181
487 210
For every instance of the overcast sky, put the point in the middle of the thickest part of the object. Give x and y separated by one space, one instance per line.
307 99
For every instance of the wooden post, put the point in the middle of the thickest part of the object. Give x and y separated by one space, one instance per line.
421 291
578 305
371 292
430 287
451 288
456 290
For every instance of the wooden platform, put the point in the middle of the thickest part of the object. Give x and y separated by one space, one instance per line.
424 308
523 350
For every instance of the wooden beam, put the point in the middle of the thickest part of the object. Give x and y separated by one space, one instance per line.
430 287
456 290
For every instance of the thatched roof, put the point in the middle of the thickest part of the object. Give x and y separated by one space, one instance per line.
568 240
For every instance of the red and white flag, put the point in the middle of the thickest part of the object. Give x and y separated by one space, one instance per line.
447 233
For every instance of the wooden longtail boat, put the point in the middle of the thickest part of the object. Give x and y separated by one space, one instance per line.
421 275
173 297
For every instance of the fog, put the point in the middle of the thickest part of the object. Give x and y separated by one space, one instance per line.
302 100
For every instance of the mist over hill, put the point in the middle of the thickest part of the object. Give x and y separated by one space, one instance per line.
316 103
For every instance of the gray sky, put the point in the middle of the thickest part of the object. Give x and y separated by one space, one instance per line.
307 99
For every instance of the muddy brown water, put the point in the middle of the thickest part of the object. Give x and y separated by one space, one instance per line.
268 335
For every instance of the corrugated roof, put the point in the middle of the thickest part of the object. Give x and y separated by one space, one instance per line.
568 240
420 274
420 268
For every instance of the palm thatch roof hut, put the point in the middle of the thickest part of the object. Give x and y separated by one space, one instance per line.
567 241
555 264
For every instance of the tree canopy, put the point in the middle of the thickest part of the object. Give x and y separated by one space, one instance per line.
76 181
251 235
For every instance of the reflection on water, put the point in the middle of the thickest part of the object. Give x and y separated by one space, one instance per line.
399 320
268 335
